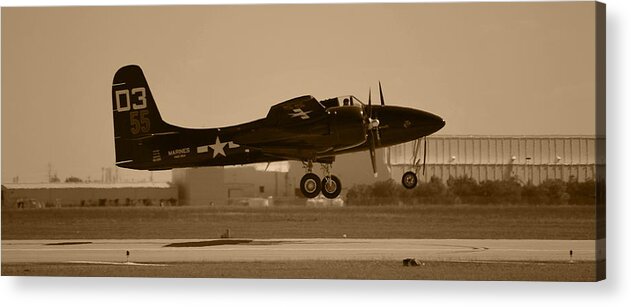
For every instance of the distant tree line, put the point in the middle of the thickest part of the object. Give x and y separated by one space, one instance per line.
466 190
73 179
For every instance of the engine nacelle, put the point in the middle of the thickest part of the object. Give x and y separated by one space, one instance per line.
347 126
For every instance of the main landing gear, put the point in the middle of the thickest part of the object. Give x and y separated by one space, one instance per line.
311 185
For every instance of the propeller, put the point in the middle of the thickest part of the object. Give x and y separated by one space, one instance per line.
381 94
369 105
372 128
373 154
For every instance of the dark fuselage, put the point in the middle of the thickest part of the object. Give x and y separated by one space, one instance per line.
301 128
263 141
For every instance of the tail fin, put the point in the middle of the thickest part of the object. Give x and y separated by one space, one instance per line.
135 112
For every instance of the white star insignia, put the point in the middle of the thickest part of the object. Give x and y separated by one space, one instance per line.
218 148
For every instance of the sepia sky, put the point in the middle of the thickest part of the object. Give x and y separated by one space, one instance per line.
486 68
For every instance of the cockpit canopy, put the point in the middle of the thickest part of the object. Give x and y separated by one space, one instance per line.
342 101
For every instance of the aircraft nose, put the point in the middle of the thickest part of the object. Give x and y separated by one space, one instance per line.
408 121
428 122
435 122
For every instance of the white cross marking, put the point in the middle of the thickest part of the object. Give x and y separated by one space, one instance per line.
301 113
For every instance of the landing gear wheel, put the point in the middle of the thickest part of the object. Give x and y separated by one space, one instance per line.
331 186
409 180
310 185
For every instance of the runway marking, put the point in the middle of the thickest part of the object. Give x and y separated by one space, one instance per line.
304 249
512 262
70 243
208 243
151 251
242 249
116 263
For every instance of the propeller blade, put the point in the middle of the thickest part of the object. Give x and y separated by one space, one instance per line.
373 158
381 94
369 105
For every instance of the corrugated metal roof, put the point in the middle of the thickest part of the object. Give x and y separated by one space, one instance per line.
90 185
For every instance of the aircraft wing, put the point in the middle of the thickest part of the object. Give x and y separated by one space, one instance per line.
295 112
298 124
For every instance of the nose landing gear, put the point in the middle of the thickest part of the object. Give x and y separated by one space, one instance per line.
409 180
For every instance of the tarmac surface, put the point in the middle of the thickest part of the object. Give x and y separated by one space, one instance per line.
206 250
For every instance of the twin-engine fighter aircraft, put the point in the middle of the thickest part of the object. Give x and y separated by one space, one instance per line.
301 128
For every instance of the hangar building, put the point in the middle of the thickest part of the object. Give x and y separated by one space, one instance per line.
528 158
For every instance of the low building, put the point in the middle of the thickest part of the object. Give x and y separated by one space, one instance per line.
278 182
41 195
203 186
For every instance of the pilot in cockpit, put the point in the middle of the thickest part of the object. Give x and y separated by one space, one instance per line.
346 101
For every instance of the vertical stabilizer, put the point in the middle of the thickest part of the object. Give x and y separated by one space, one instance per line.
135 112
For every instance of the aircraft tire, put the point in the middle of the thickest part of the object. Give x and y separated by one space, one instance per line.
409 180
333 188
310 185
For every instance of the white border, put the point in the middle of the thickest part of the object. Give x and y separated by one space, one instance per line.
50 291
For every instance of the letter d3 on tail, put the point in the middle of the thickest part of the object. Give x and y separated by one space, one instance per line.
135 113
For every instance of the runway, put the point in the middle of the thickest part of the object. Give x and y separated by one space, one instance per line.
209 250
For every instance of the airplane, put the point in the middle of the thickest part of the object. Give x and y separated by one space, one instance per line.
303 129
